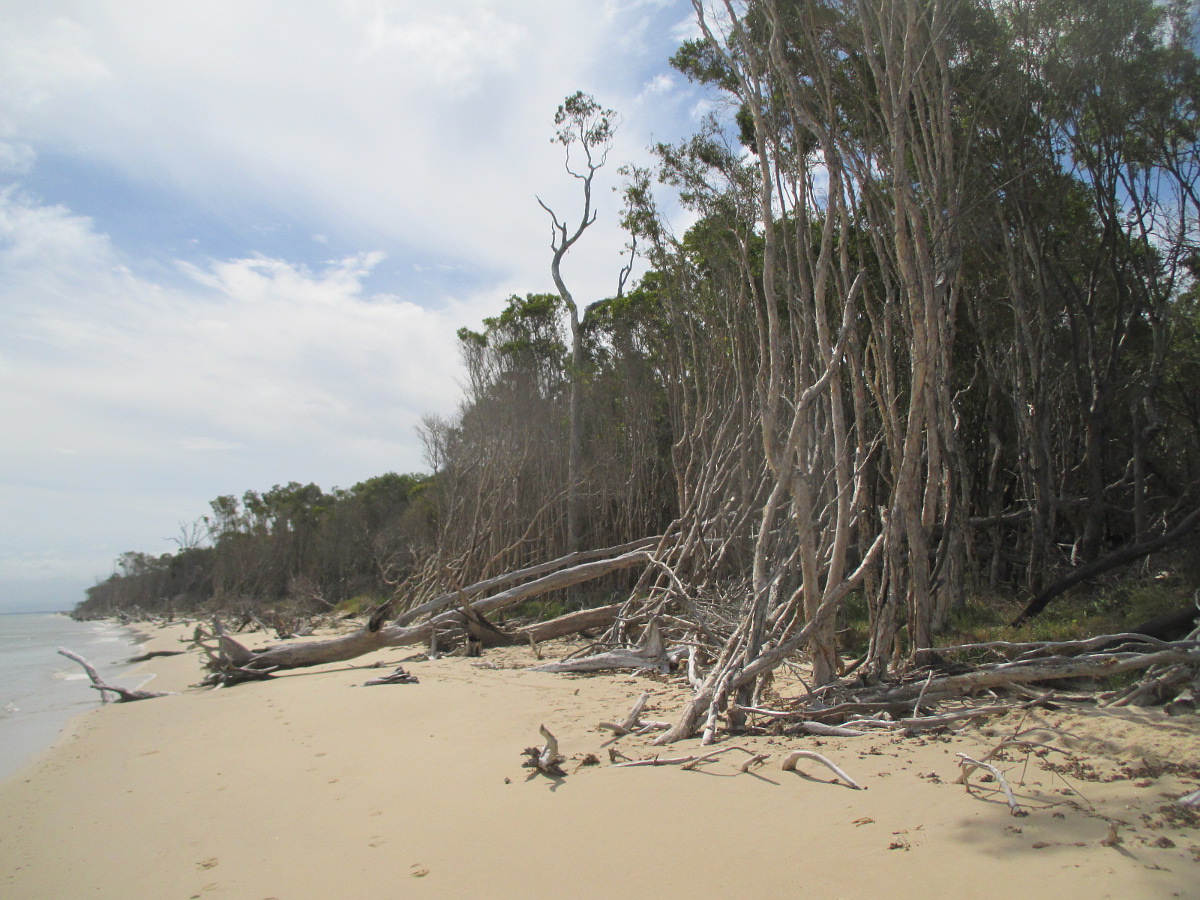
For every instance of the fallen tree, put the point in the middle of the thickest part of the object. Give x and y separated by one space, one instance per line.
231 661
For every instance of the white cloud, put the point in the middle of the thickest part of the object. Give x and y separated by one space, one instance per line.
404 139
259 368
15 158
660 84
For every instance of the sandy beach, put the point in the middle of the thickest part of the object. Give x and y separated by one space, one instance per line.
311 785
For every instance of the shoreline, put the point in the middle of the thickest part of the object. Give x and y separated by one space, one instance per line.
309 785
44 692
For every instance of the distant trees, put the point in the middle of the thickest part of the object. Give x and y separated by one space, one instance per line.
504 483
293 546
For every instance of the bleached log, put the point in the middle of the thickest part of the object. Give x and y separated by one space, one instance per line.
820 728
789 765
649 654
1192 799
571 623
124 695
571 560
367 640
1100 664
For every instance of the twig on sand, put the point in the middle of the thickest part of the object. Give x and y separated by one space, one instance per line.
687 762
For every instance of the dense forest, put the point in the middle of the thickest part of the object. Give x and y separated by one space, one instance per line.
933 336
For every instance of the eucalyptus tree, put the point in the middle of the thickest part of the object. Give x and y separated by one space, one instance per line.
582 123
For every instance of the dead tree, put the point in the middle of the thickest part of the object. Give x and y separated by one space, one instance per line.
376 635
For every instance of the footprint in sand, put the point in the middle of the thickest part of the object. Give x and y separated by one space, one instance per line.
207 863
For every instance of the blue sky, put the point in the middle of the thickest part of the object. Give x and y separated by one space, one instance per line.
236 239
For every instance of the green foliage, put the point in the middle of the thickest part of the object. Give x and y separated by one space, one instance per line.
1083 613
292 547
358 605
582 120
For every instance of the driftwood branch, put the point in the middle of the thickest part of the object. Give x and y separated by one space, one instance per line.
633 723
687 762
649 654
545 759
124 695
397 676
968 765
789 765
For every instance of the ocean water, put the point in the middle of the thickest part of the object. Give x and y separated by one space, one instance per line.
39 690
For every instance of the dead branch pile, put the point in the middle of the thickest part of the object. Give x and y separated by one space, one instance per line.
449 619
1165 670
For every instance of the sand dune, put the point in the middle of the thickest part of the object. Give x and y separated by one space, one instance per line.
313 786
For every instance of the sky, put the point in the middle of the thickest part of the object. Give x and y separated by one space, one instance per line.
237 239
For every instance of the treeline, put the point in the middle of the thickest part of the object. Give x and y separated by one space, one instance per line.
293 548
934 334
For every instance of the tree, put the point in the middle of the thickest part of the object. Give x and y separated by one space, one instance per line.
584 123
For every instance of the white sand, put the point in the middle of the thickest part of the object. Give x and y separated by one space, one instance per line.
311 786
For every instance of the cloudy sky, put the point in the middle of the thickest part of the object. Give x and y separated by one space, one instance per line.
237 237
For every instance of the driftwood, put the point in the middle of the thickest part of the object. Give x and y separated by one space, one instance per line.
789 765
1053 668
968 765
546 759
689 763
123 695
154 654
649 654
571 623
397 676
483 634
377 636
571 560
633 723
